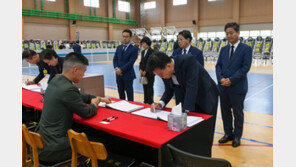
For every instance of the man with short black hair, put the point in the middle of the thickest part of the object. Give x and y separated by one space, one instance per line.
54 61
34 58
233 64
123 63
77 47
62 100
184 42
188 80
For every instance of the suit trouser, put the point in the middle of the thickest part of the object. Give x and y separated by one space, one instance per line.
236 102
125 86
148 91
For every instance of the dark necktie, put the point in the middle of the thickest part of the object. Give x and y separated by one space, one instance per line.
231 52
184 51
123 49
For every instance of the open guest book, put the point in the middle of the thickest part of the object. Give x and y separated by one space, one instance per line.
35 87
163 115
122 106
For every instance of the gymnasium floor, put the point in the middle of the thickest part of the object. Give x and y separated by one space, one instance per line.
257 141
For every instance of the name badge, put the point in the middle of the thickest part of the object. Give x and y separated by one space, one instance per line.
45 72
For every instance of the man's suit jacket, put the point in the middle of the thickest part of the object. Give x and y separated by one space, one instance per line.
58 69
126 61
44 69
193 51
77 48
62 99
144 60
235 69
196 90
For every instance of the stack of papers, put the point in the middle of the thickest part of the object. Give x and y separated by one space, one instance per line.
191 120
35 87
163 115
124 106
159 114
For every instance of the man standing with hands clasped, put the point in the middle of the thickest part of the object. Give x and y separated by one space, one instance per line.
123 63
233 64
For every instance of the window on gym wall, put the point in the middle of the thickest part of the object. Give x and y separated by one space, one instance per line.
211 35
254 33
203 35
179 2
265 33
244 34
150 5
92 3
123 6
220 34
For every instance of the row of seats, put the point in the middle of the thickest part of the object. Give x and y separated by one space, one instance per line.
62 44
262 48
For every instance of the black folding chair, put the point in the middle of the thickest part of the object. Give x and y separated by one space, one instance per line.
183 159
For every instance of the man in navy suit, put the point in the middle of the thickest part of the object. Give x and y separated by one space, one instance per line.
232 67
54 61
123 63
190 82
197 91
184 41
77 47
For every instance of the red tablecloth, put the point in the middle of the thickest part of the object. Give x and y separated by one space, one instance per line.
147 131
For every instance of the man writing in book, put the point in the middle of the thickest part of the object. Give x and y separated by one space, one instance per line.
187 80
63 99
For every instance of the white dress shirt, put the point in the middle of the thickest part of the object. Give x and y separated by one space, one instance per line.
187 49
234 48
175 82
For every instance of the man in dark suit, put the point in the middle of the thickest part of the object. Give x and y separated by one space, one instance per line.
63 99
190 82
146 53
54 61
77 47
123 63
184 41
232 67
193 86
34 58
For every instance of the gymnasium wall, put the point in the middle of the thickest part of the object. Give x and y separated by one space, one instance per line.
45 31
92 33
210 15
87 29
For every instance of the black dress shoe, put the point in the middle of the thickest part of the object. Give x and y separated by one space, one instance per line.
225 139
236 142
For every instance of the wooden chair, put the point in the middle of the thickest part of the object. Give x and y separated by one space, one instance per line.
80 144
35 141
